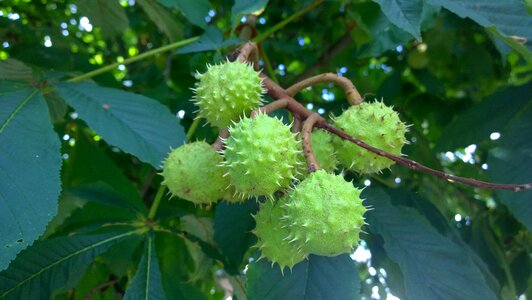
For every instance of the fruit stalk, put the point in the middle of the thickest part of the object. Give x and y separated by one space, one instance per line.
308 152
285 100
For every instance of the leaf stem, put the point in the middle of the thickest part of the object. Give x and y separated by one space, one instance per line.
284 22
156 201
133 59
193 128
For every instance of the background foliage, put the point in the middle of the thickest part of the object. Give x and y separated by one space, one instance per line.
79 150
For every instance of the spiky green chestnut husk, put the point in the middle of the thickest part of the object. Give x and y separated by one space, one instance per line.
376 124
227 91
192 172
260 156
324 151
272 237
324 214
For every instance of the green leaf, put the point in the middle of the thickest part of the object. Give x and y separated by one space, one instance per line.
137 124
405 14
470 127
211 39
511 162
104 194
12 69
30 161
233 223
244 7
165 21
195 11
146 284
319 277
385 35
433 266
48 265
108 15
510 17
201 228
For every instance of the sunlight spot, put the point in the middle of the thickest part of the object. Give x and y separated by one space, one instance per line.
399 48
310 106
450 156
5 44
471 148
64 25
243 19
321 111
72 142
372 271
212 13
74 115
367 182
262 21
47 41
73 8
13 16
84 24
66 137
65 156
383 272
375 292
397 180
361 254
495 136
457 217
484 166
64 32
389 296
181 114
121 67
127 83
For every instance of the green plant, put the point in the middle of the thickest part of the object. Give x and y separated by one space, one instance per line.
94 94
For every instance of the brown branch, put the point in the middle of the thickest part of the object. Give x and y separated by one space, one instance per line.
218 145
249 53
351 92
286 101
297 126
310 156
419 167
270 107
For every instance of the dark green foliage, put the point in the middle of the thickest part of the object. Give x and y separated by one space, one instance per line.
82 211
318 277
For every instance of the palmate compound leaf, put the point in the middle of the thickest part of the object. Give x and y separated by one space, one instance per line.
433 266
48 265
30 161
137 124
147 284
319 277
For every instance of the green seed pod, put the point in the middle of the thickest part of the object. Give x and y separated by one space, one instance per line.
377 125
272 237
324 214
193 172
227 91
260 155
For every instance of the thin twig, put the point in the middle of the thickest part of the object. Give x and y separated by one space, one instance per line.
297 126
286 101
308 152
351 92
270 107
419 167
219 143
